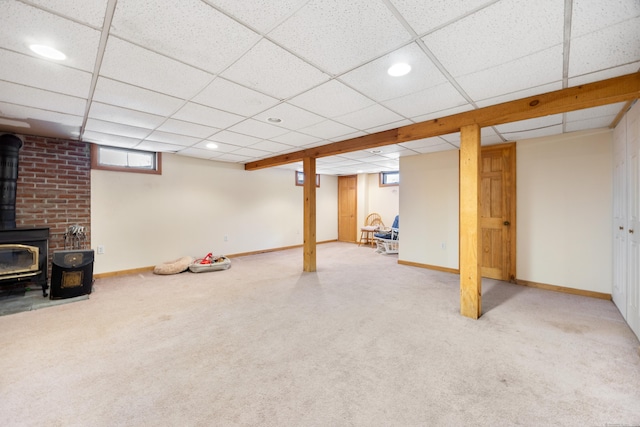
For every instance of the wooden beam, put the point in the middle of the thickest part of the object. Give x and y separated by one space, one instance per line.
617 89
309 190
470 276
621 114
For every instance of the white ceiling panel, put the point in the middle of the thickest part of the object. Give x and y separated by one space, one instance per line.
293 118
500 33
438 98
42 74
338 35
185 128
216 70
258 129
23 25
117 129
124 116
158 146
132 64
332 99
262 15
199 35
538 69
425 16
196 113
612 46
229 96
172 138
267 67
135 98
373 80
42 99
328 129
369 117
88 12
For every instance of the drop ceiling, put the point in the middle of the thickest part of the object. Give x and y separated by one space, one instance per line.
139 74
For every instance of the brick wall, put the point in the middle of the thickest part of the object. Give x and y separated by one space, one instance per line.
54 187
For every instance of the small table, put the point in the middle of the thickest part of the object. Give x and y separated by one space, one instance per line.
366 234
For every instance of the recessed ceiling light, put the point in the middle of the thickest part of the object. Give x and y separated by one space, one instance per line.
48 52
375 151
399 69
274 120
212 145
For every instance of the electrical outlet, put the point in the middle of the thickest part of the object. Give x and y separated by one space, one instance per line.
100 249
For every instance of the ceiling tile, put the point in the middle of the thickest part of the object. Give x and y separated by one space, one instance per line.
186 128
612 46
198 35
229 96
332 99
136 98
196 113
536 90
605 74
132 64
109 139
338 35
500 33
593 15
28 114
442 113
273 147
172 138
593 113
262 15
423 143
195 152
438 98
594 123
124 116
534 133
23 25
388 126
217 149
251 152
89 12
374 81
295 138
530 124
376 115
292 117
232 157
101 126
327 129
425 16
258 129
537 69
43 74
236 139
266 68
42 99
158 146
435 148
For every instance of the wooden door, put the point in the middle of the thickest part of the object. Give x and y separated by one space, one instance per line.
498 212
347 208
619 290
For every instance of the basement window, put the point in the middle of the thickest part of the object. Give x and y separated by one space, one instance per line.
389 178
300 178
125 160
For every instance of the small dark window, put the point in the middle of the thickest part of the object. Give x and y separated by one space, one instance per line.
389 178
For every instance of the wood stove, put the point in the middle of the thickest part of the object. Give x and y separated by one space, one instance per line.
23 258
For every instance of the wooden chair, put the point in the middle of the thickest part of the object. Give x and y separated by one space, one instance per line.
372 223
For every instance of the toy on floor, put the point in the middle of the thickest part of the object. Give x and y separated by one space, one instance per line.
210 263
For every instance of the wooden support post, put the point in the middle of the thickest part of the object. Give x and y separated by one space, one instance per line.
470 279
309 165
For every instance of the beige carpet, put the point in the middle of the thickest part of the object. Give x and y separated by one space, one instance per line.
362 342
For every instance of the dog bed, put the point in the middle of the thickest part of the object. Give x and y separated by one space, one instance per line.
210 263
173 267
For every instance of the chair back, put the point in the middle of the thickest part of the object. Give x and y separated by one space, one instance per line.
374 219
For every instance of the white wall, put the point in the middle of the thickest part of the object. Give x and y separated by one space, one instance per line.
373 198
143 220
565 210
564 199
429 209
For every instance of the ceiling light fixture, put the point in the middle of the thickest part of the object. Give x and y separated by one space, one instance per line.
274 120
212 145
375 151
399 69
48 52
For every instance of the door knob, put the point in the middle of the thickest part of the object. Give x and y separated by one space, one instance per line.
506 223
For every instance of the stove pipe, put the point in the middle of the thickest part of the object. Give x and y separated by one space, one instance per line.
9 153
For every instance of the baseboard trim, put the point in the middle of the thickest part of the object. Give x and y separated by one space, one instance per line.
147 269
563 289
429 267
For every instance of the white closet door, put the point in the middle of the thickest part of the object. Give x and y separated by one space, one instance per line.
633 203
619 291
